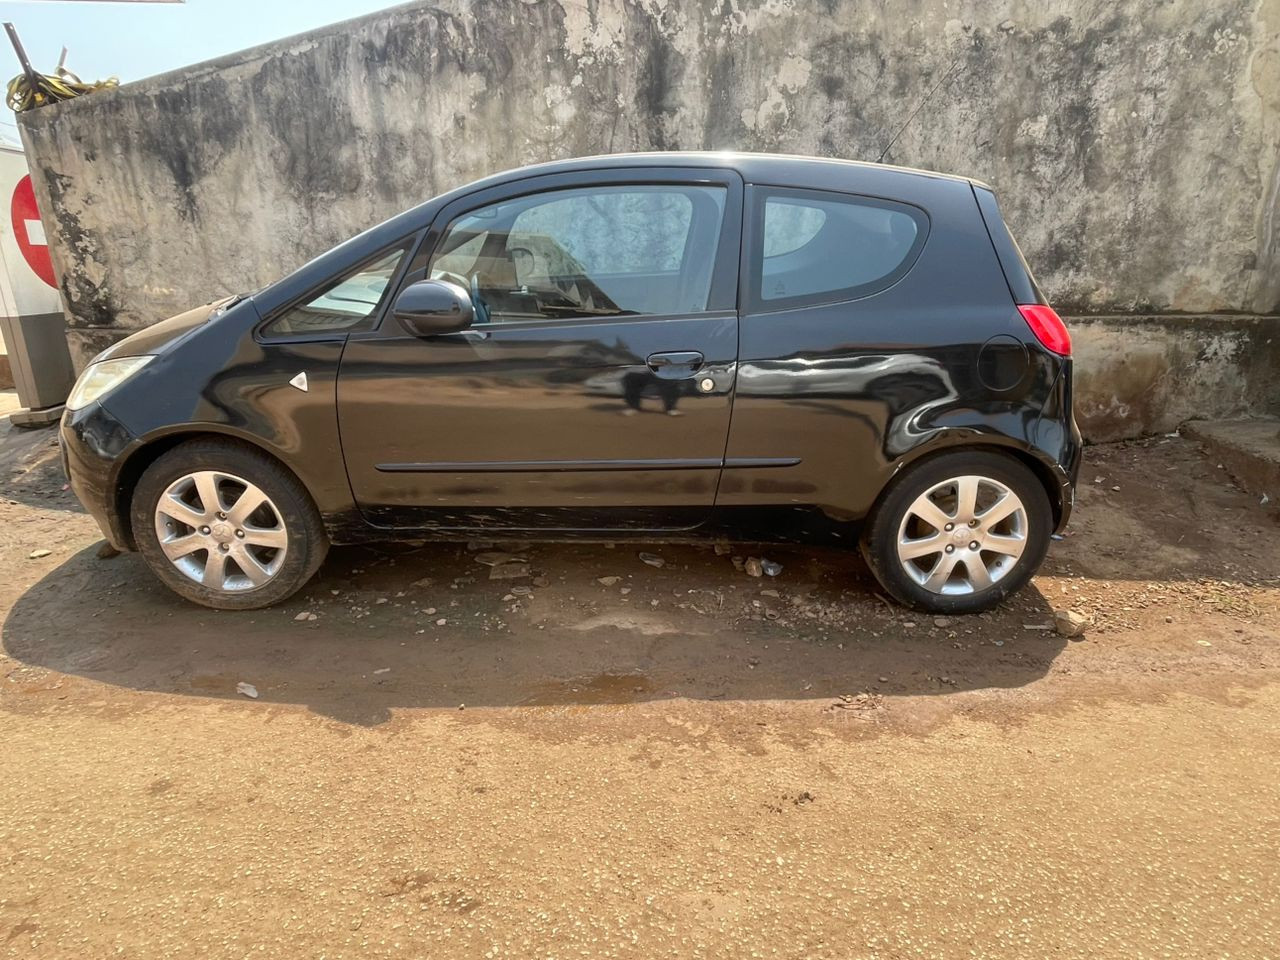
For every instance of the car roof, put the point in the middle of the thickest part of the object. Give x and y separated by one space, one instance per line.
754 167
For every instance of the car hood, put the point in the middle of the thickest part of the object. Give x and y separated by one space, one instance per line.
158 336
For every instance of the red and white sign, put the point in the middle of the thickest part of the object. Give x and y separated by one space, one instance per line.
28 230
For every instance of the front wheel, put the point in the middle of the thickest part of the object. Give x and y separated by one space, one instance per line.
225 526
959 532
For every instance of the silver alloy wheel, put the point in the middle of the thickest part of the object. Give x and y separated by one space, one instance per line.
962 535
221 531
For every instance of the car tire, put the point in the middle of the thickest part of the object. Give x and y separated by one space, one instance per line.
899 539
230 554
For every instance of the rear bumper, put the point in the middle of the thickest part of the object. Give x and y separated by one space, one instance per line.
92 443
1073 453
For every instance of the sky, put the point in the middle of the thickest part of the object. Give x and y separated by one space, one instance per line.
135 40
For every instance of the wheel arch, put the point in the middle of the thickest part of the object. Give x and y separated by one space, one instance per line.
1054 482
152 448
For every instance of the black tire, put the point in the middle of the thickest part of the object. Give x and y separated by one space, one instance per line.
307 542
880 537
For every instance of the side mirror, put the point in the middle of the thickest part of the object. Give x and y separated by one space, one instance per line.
431 307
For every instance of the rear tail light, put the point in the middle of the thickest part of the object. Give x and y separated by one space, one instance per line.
1047 326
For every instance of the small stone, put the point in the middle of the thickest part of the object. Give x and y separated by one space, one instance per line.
508 596
753 567
1116 488
492 558
942 622
514 570
884 679
908 623
770 568
723 549
305 615
1068 623
541 582
608 581
424 582
624 591
653 560
441 622
382 670
520 591
37 554
247 690
770 593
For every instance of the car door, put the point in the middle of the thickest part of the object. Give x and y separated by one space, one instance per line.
842 366
592 391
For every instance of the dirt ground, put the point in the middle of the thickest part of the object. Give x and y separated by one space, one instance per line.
687 762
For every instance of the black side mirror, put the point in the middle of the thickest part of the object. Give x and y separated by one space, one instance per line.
431 307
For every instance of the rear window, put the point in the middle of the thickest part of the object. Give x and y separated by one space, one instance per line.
815 247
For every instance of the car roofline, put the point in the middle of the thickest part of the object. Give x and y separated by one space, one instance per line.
735 159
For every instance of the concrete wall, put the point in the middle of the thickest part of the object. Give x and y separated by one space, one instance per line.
1135 144
1137 375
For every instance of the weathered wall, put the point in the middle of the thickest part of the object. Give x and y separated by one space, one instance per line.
1138 375
1135 143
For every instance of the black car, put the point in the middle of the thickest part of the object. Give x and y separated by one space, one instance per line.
657 346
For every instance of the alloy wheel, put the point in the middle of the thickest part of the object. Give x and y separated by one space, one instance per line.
962 535
221 531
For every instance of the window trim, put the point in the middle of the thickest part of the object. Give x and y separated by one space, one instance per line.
409 244
725 281
753 248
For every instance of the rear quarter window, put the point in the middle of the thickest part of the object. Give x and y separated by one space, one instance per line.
814 247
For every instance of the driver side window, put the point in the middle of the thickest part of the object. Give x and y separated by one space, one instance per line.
587 253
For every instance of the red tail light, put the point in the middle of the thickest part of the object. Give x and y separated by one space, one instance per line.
1047 326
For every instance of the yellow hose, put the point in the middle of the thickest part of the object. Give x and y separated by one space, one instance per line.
26 93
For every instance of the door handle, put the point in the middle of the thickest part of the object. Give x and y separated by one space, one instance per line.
675 366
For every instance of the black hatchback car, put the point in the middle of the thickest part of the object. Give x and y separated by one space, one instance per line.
656 346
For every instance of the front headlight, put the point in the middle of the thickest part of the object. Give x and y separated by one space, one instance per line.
99 379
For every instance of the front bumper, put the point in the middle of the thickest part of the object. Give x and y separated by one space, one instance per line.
93 442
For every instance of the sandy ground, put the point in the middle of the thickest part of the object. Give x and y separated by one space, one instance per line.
687 762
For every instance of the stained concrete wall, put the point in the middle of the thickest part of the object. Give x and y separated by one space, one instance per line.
1135 144
1138 375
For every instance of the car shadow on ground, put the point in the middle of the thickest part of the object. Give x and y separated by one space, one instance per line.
404 627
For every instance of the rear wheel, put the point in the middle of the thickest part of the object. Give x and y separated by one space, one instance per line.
225 526
959 532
